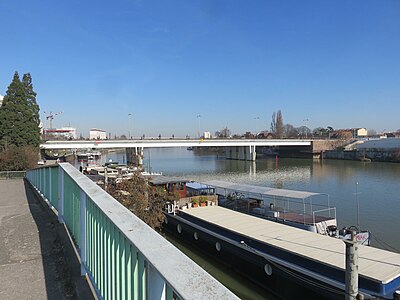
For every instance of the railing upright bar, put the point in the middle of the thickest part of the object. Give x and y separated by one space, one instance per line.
50 189
142 277
83 231
60 207
135 272
40 182
123 267
109 262
128 263
156 284
102 256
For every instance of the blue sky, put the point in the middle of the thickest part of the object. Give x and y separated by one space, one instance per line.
335 63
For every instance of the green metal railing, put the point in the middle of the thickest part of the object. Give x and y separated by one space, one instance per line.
122 256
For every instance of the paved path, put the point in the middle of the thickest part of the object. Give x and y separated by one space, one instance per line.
36 260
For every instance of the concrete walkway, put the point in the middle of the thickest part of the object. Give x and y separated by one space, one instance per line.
36 258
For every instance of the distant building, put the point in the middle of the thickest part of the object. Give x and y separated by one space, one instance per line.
1 100
359 132
207 135
97 134
349 133
265 135
60 133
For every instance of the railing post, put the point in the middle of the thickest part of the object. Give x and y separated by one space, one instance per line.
40 181
156 284
83 232
60 207
44 183
50 185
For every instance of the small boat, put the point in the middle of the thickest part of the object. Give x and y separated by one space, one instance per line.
88 155
189 148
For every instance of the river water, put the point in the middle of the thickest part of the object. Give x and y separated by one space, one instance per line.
378 189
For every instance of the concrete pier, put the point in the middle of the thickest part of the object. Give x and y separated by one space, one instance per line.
36 259
241 153
135 156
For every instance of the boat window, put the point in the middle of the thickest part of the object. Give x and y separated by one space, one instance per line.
268 269
218 246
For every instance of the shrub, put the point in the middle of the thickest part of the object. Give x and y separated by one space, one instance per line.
18 158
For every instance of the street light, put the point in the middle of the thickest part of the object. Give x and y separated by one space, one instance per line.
305 122
199 120
256 123
130 124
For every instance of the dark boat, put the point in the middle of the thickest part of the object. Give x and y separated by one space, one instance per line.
290 262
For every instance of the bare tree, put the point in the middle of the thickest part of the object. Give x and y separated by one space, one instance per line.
224 133
277 124
290 131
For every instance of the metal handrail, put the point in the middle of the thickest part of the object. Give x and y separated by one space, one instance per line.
326 209
122 256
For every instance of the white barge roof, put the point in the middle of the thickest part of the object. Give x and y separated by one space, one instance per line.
379 265
261 190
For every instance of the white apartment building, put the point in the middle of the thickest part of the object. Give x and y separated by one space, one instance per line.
97 134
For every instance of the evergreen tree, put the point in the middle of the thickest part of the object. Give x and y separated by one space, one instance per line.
19 114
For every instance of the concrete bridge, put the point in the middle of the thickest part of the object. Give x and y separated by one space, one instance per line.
235 149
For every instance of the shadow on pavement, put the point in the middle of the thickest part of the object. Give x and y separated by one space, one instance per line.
60 264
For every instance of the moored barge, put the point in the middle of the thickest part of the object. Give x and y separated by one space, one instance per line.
292 263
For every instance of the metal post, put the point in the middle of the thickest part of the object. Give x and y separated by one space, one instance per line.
351 267
130 121
40 181
50 189
358 209
60 207
105 178
44 183
156 284
199 119
83 232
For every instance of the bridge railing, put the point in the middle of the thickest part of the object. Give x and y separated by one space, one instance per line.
122 256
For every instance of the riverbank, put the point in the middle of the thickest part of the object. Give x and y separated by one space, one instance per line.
367 155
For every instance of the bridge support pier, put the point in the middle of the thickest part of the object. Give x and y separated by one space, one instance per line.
135 156
241 153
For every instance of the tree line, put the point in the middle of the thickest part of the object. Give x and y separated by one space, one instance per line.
19 125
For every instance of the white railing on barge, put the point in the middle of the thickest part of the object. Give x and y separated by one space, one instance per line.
122 256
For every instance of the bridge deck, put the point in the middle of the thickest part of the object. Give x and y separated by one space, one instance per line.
379 265
109 144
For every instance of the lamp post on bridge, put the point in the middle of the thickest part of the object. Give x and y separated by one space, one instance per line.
305 125
256 119
199 121
129 124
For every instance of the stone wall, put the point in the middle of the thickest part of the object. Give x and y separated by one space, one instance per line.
326 145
